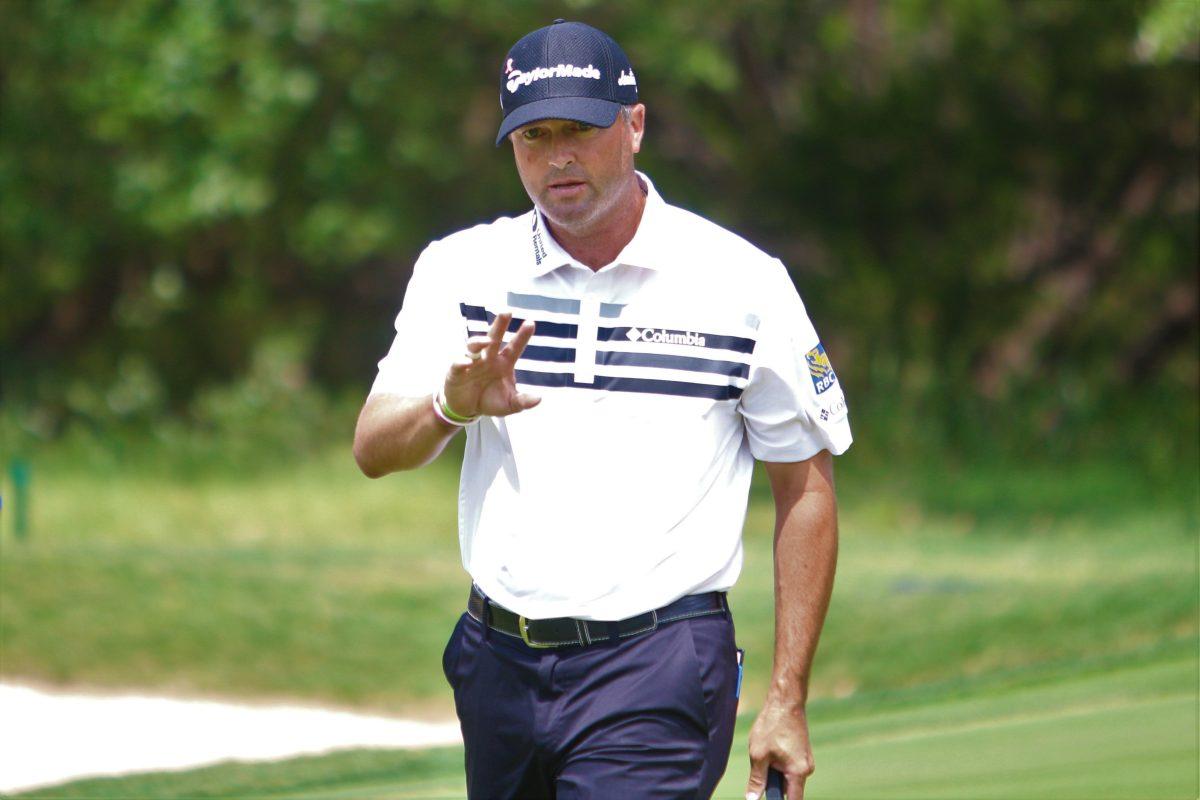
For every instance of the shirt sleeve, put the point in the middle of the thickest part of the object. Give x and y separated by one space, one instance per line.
793 406
430 333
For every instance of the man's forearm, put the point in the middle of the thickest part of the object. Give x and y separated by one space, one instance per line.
397 433
806 542
805 557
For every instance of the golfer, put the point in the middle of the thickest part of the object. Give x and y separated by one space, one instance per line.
618 364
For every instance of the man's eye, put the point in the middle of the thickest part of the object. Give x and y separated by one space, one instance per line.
583 126
531 133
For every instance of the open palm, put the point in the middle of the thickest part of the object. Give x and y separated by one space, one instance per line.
482 382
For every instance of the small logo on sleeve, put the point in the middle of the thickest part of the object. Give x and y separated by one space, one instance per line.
835 410
820 369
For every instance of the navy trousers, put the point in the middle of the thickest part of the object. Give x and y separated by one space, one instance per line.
648 716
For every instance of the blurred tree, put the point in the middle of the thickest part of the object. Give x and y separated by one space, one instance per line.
984 198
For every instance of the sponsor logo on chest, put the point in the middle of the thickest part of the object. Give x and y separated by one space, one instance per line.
664 336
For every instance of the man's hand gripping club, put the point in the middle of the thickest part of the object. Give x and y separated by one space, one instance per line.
483 382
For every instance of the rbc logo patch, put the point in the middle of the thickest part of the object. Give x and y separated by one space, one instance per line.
820 369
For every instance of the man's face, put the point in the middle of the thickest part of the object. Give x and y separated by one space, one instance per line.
576 173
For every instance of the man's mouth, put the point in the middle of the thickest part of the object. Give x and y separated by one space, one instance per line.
566 186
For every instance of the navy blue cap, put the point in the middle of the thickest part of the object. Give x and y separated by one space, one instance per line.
567 70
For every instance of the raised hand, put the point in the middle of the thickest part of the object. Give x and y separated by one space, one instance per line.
482 381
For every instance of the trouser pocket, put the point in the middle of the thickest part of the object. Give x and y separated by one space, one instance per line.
451 651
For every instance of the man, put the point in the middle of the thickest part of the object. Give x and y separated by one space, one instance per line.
618 364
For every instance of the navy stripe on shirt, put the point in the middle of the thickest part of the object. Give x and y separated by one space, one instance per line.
536 352
557 330
610 383
561 330
733 369
566 355
738 344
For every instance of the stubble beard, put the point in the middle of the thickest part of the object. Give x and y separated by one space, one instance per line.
586 215
579 217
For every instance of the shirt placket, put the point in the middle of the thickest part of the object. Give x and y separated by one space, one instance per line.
585 343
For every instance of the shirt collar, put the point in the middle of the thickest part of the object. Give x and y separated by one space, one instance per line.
643 250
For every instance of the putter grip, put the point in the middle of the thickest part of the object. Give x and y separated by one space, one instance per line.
774 785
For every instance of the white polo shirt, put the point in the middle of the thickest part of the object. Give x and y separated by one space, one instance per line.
663 376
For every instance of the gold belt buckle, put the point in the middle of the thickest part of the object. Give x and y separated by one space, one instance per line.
523 625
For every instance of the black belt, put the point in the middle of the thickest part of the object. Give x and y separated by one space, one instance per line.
565 631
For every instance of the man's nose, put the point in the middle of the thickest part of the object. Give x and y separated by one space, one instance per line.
561 155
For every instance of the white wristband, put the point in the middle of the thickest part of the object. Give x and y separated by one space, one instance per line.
442 409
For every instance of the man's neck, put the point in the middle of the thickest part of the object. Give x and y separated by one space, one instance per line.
599 246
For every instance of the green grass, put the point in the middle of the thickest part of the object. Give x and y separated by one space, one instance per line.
309 582
364 773
1127 731
315 583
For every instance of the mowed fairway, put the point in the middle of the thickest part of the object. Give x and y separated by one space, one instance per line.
1128 733
1123 732
963 657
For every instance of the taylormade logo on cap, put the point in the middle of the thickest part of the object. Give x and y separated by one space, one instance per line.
517 78
567 70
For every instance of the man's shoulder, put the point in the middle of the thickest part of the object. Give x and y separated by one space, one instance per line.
498 237
710 244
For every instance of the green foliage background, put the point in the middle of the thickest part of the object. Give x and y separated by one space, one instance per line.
209 209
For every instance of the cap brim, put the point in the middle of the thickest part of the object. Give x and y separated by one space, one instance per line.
600 113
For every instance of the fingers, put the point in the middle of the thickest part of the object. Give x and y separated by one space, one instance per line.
758 779
496 333
517 345
776 788
524 401
770 783
491 377
474 355
480 348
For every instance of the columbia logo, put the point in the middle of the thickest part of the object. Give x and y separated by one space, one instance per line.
665 337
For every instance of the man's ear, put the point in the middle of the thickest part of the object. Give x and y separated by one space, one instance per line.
637 122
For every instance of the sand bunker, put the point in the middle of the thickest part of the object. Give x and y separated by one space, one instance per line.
51 737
